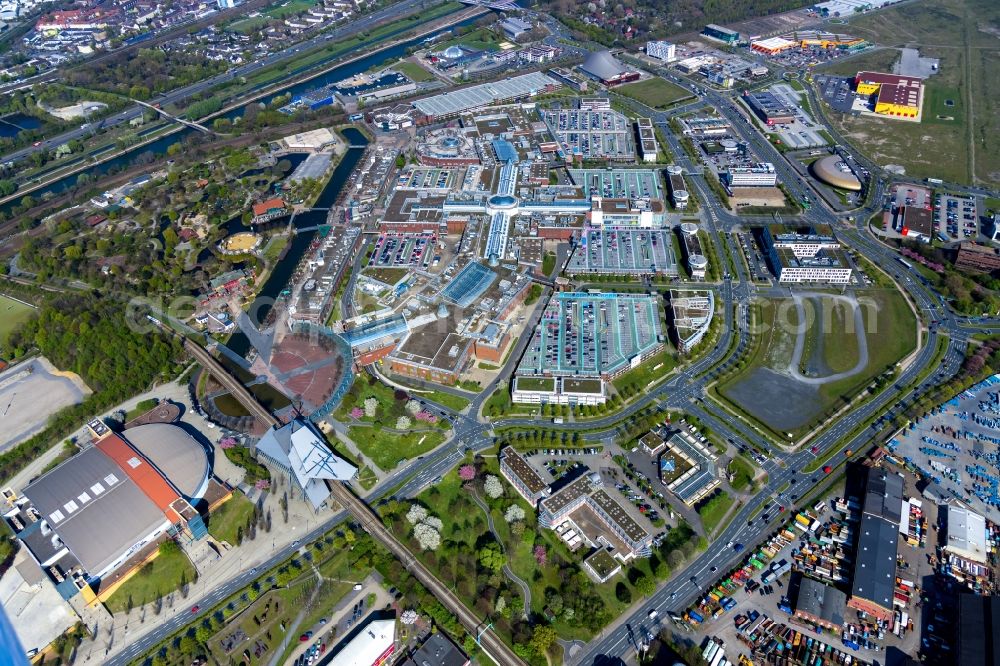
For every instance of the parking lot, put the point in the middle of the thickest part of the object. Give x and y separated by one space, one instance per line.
956 447
803 132
421 178
836 91
755 260
618 183
592 335
593 135
956 217
403 250
625 251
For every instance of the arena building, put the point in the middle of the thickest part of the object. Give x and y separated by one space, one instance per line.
103 512
604 67
895 96
833 171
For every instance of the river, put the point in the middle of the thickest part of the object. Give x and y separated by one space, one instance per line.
159 146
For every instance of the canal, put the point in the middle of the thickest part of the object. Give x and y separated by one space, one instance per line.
159 147
277 281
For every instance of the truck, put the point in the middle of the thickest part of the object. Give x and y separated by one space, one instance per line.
729 603
695 617
935 181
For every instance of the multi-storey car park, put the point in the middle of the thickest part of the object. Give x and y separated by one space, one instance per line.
624 252
593 335
592 134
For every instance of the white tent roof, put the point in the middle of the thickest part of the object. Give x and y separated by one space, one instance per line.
306 454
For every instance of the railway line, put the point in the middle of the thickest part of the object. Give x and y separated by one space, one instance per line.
495 649
230 383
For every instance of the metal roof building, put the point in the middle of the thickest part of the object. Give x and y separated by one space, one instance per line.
297 448
103 505
371 646
875 565
821 604
967 535
496 92
606 68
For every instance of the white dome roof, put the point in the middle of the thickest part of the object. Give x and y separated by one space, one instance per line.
178 456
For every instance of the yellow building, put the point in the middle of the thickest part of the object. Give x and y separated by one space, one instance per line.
897 96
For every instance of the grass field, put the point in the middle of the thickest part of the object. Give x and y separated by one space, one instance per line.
742 473
958 142
225 522
890 335
713 510
289 8
413 70
12 314
387 449
653 369
654 92
158 577
449 400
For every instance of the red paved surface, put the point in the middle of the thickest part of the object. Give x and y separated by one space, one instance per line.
313 385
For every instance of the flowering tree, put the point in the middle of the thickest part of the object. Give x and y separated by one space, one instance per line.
403 423
433 521
467 472
409 616
227 443
492 486
416 514
412 406
541 557
426 416
371 406
514 514
357 413
262 484
428 537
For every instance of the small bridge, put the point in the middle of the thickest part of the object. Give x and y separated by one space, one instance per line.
499 5
176 119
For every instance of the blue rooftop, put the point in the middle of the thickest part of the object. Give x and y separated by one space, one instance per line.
470 283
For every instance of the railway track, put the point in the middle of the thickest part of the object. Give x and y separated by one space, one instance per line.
491 644
230 383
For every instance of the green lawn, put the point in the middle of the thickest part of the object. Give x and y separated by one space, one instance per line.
12 314
415 72
654 92
548 263
248 25
635 381
225 522
289 7
743 473
449 400
159 577
387 449
713 510
536 383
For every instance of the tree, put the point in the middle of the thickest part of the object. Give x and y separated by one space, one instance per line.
467 472
542 639
644 585
514 514
492 557
371 406
622 593
428 537
416 514
675 559
403 423
412 406
492 486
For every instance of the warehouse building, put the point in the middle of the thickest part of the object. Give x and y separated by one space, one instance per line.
874 580
821 604
720 34
967 536
451 104
895 96
372 644
769 108
772 46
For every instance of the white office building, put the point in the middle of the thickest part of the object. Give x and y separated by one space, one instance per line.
665 51
758 175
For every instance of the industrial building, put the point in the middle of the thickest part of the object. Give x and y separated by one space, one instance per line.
604 67
769 108
895 96
298 449
772 45
582 511
515 27
966 534
720 34
874 580
99 515
813 256
660 50
821 604
914 222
